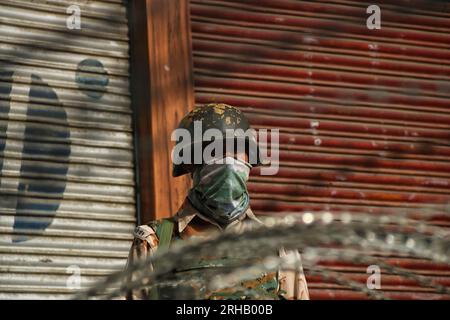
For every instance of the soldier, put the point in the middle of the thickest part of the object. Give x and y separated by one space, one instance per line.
218 201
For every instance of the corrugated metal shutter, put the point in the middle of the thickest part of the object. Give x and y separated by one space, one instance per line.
363 114
66 146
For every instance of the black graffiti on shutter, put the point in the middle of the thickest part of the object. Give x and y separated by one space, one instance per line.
41 92
5 94
92 80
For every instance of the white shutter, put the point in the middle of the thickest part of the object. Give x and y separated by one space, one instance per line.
66 146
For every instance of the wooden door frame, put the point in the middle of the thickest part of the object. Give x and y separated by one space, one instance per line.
162 92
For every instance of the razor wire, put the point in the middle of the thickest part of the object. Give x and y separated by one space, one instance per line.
306 232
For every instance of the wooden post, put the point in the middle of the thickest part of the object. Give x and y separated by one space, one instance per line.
162 93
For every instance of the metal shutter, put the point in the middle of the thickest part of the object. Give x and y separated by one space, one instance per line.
66 146
363 114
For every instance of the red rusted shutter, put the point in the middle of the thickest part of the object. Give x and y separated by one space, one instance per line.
363 114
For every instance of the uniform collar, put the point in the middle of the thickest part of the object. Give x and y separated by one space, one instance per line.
187 213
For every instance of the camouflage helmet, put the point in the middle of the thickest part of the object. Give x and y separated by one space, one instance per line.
222 117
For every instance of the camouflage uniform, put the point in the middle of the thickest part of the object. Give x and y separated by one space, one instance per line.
279 285
214 193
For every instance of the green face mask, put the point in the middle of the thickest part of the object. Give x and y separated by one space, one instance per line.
220 189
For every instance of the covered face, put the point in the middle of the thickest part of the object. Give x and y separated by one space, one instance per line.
220 189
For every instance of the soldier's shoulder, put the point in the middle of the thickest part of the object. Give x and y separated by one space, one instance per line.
149 229
144 232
